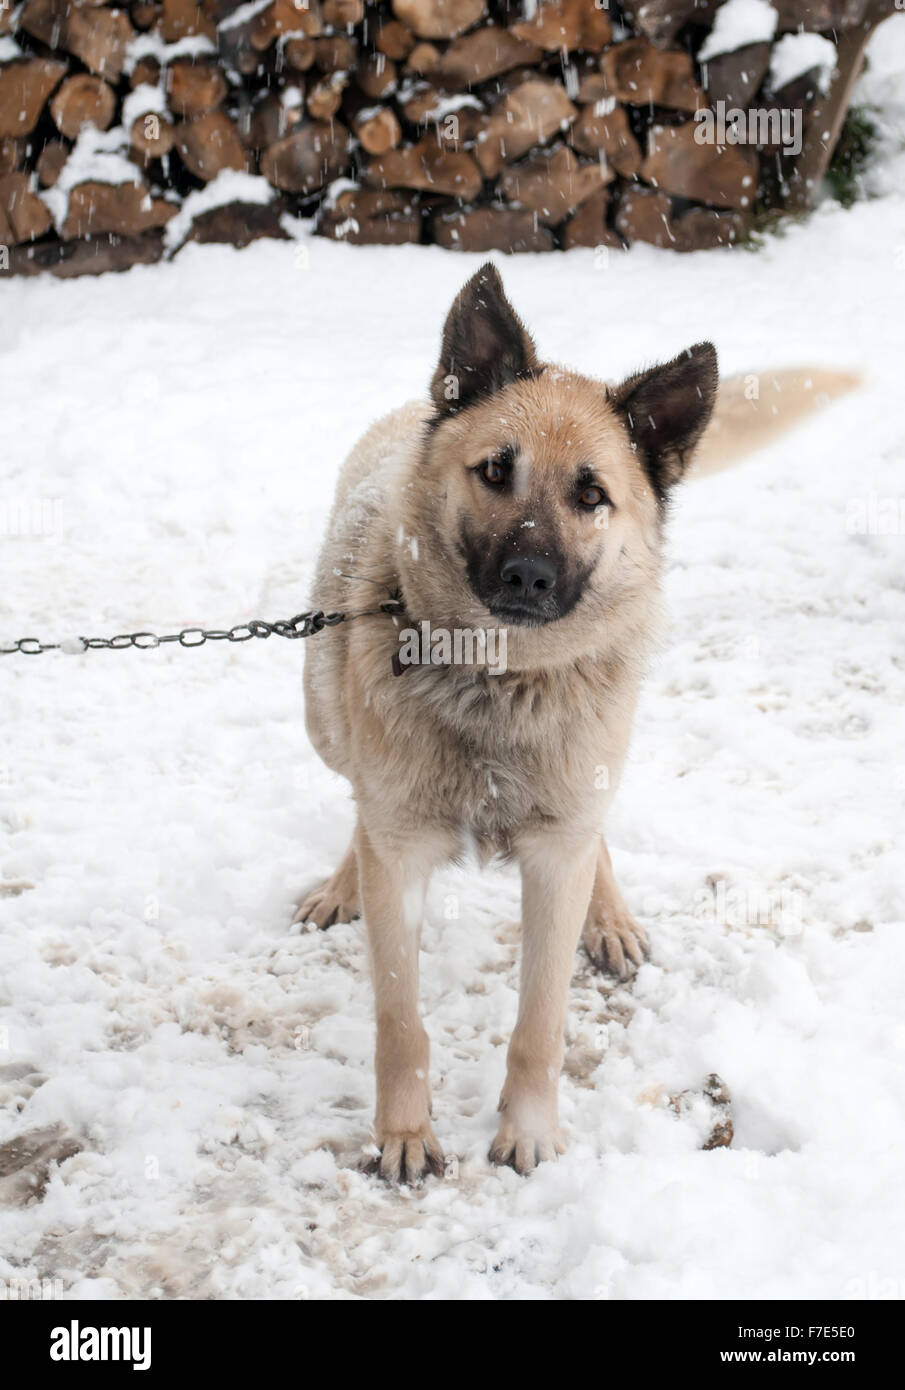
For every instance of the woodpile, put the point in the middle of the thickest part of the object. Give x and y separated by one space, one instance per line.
513 125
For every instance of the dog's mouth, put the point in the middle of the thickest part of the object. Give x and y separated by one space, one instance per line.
523 614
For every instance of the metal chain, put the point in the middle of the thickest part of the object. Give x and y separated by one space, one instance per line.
302 625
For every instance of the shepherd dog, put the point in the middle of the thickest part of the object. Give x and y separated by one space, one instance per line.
526 503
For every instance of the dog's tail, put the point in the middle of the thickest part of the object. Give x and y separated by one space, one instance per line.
753 409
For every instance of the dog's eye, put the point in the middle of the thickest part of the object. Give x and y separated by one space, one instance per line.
492 472
591 497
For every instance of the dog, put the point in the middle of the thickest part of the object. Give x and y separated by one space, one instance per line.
528 501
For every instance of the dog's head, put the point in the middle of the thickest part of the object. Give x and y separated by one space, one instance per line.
539 496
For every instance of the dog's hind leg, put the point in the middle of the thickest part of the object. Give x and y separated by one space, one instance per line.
611 936
337 899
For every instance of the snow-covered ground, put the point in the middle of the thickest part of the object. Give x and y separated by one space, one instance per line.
171 438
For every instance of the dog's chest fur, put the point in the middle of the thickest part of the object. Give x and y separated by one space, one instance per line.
488 755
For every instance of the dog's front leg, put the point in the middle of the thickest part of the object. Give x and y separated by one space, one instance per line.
557 877
394 880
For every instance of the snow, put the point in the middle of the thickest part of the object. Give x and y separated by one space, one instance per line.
738 23
795 54
153 46
244 13
177 433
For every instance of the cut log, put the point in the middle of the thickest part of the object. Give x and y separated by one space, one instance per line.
66 259
661 20
50 162
376 76
734 78
530 115
645 215
818 15
771 125
125 209
369 217
24 88
643 75
486 53
100 38
491 229
208 145
339 14
587 83
456 124
567 24
82 100
604 129
280 17
377 131
268 121
395 40
12 153
299 53
308 159
723 176
25 215
144 14
194 88
438 19
44 20
552 183
181 18
423 59
335 52
146 73
426 165
324 98
702 229
152 135
642 214
588 226
238 224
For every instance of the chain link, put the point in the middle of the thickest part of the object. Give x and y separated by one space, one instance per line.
302 625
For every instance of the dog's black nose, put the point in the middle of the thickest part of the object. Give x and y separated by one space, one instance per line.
529 576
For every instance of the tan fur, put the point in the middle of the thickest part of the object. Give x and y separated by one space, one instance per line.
446 758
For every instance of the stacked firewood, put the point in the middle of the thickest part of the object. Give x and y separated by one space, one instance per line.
518 125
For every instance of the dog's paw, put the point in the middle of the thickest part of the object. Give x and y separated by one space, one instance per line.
407 1158
523 1149
336 900
616 944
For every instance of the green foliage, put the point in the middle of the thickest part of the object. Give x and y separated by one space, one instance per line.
853 152
768 221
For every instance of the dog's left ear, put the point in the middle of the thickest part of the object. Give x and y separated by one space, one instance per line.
666 410
485 345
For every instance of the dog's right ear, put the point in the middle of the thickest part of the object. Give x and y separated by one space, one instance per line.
485 345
